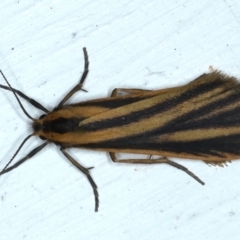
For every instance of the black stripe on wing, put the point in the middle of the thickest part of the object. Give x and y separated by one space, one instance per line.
163 106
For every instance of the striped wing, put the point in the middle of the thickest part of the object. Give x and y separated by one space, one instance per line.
199 120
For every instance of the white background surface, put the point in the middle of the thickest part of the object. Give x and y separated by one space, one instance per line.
135 44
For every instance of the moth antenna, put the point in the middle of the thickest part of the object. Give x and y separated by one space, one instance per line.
19 102
15 154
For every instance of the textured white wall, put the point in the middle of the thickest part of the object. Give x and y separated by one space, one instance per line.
137 44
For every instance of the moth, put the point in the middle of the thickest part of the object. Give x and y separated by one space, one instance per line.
199 120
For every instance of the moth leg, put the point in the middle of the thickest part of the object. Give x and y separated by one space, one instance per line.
86 172
120 91
117 91
154 161
80 84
